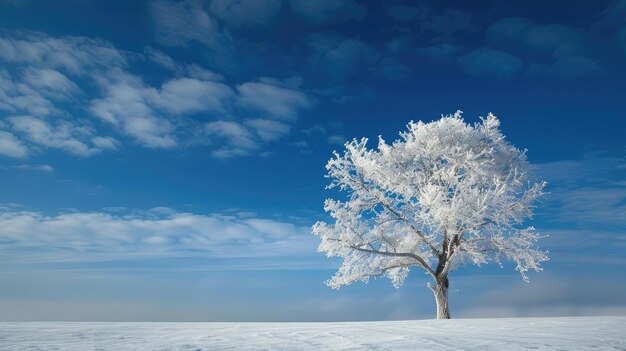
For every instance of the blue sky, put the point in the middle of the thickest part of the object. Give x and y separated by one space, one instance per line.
164 160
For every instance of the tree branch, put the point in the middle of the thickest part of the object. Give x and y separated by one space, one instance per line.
419 260
510 207
400 218
382 271
417 231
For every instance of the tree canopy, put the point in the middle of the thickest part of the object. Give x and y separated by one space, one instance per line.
447 193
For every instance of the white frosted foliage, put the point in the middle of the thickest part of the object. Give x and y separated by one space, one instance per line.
447 193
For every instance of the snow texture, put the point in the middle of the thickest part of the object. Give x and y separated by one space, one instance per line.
570 333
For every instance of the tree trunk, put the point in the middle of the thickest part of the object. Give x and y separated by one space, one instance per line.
441 297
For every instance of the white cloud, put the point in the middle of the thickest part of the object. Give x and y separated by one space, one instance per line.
49 79
11 146
201 73
52 82
62 135
45 77
76 55
162 59
157 233
268 130
239 140
127 106
275 100
18 97
187 95
148 114
179 69
105 143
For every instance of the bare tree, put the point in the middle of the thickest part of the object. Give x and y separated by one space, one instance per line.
445 194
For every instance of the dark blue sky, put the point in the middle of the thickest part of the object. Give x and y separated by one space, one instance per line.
164 160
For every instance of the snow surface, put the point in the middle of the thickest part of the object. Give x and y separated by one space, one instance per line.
569 333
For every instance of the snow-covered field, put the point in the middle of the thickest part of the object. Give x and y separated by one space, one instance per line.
571 333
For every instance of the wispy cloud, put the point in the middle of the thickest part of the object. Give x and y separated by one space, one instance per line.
268 97
592 206
18 97
51 82
11 146
591 169
148 114
29 167
569 50
157 233
76 55
586 193
268 130
51 102
48 73
64 135
238 140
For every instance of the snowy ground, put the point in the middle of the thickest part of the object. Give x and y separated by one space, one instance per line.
585 333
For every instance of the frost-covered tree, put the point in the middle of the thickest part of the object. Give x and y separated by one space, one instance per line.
445 194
